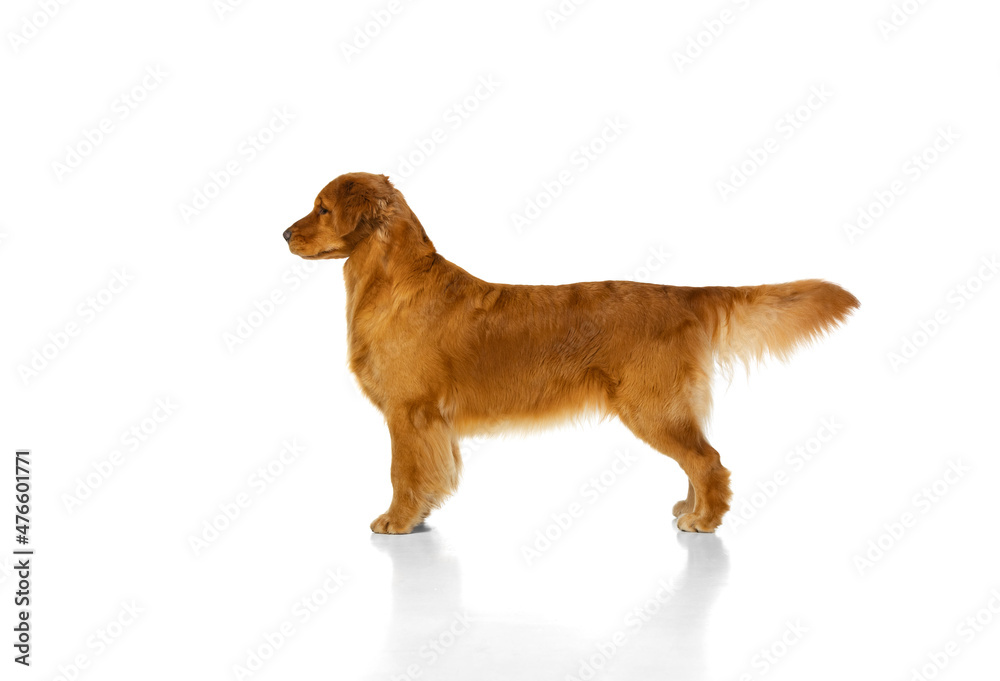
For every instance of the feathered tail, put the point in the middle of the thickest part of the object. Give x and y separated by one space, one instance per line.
747 322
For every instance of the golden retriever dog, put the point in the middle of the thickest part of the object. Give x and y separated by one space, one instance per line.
444 355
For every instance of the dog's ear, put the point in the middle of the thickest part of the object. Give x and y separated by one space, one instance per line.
362 206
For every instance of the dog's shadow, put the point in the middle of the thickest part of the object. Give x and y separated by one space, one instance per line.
432 635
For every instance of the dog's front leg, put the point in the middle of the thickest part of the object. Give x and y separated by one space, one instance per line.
425 467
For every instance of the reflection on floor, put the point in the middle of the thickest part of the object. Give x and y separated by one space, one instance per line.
433 635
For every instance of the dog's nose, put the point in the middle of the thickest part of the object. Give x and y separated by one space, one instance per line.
287 234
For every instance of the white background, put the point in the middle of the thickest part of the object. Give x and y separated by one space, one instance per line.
467 583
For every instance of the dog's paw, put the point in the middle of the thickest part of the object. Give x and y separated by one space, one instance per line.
689 522
388 524
681 507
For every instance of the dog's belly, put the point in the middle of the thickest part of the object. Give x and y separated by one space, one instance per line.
523 395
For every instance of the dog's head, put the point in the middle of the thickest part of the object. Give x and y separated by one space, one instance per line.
347 211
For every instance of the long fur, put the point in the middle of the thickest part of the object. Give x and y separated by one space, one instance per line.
444 354
745 323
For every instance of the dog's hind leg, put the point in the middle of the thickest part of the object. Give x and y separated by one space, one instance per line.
666 410
708 480
425 466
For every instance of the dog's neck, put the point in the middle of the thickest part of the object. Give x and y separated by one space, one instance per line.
396 250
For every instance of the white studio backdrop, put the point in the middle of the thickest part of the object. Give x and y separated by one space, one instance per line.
204 469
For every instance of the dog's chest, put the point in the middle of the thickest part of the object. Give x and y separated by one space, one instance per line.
382 350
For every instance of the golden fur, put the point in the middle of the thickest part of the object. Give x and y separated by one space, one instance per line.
444 354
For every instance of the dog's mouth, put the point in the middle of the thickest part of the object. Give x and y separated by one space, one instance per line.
324 255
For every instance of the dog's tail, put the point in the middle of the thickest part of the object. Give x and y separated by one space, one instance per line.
747 322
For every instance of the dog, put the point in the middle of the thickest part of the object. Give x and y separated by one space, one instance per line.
444 355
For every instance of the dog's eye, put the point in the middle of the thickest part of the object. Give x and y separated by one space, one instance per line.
323 211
